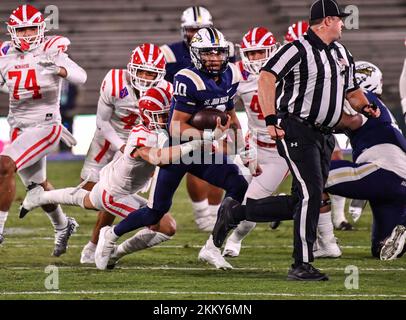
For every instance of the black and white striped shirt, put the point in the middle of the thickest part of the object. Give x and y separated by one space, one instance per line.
312 79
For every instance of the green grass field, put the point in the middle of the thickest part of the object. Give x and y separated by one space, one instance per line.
172 271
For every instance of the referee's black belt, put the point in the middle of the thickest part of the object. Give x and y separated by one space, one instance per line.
307 123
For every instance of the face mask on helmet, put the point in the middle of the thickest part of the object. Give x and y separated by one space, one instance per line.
209 51
26 27
146 67
256 48
154 108
193 19
369 77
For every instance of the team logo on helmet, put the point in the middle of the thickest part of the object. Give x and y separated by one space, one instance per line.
369 77
206 44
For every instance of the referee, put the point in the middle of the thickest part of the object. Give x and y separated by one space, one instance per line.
306 81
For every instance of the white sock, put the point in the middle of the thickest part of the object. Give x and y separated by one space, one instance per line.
64 196
338 205
91 246
201 209
242 230
3 219
325 227
214 208
210 244
143 239
58 218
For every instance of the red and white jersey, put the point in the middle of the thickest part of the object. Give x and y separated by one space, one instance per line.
248 92
117 94
126 174
34 98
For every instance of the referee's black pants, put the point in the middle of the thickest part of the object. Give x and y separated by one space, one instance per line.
307 152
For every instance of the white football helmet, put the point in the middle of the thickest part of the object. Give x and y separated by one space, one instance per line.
205 42
194 18
369 77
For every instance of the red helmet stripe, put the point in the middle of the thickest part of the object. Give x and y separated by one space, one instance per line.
15 19
253 36
34 17
25 13
267 36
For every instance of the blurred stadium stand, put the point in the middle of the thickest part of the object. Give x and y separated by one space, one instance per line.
104 33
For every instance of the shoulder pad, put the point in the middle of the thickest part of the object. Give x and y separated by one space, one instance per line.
194 77
113 84
141 136
166 85
168 54
235 72
55 43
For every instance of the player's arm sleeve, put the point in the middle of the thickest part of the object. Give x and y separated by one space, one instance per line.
104 113
284 60
75 73
402 87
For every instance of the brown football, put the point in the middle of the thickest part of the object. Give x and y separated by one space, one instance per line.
207 118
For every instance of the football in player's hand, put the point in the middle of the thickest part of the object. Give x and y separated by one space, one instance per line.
207 119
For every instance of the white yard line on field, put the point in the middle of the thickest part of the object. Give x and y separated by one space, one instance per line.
220 293
22 243
87 267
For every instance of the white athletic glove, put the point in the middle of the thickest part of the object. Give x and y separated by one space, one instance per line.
48 65
216 134
68 138
248 154
249 158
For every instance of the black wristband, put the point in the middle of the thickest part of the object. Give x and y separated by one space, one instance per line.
271 120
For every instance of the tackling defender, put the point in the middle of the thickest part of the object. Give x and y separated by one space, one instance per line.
126 175
117 114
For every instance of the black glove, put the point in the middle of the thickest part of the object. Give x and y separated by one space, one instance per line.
371 105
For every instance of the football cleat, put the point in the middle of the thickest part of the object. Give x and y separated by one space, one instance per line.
31 200
113 259
62 236
212 255
105 248
1 238
306 272
225 221
232 248
326 249
87 255
344 226
394 244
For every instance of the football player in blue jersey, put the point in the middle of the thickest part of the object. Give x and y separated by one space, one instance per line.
211 83
378 174
205 198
